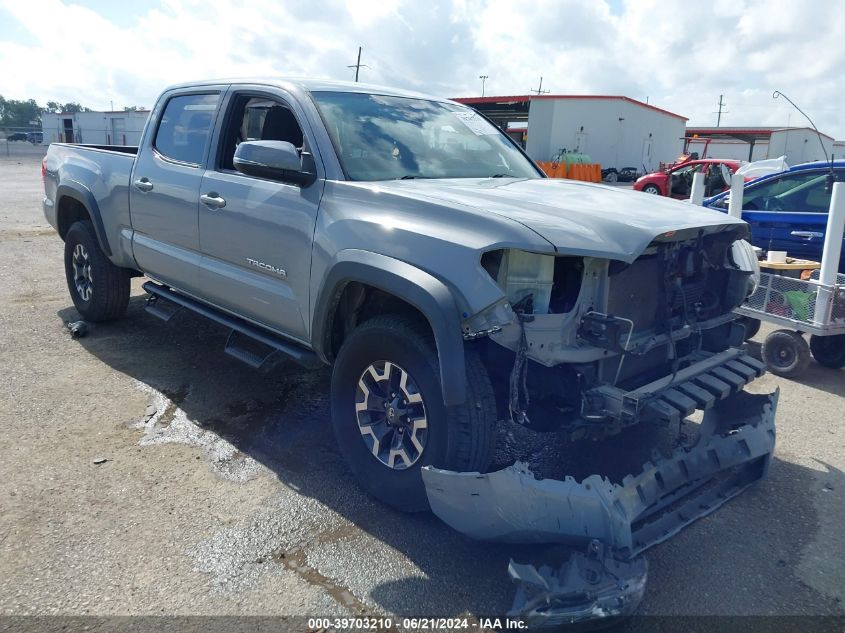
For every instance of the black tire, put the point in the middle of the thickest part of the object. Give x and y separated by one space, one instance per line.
752 326
102 293
652 189
785 353
829 350
457 438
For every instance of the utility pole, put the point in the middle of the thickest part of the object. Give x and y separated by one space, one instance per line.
539 90
358 65
483 79
722 104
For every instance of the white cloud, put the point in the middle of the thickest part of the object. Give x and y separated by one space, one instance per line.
681 55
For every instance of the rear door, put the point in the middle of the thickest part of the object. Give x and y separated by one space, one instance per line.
256 235
789 213
164 191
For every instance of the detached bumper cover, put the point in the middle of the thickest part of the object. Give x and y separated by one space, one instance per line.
615 522
736 441
589 586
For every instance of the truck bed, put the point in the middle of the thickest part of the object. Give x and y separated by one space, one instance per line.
119 149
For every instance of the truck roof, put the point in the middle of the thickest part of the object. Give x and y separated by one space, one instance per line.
311 85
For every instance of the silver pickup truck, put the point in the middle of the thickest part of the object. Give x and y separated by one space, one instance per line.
408 242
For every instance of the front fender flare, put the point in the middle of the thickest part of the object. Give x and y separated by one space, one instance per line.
425 292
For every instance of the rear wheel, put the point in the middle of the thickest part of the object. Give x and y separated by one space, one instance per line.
785 353
388 413
652 189
829 350
99 289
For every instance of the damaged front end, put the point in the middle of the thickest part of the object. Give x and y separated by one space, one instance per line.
616 522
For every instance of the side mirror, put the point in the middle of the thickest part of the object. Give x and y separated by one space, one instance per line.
277 160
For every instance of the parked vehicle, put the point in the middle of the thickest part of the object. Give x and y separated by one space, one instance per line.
628 174
788 211
16 136
411 244
676 181
610 174
36 138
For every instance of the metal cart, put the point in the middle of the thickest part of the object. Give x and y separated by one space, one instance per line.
799 307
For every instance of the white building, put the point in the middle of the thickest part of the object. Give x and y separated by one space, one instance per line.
615 131
95 128
798 144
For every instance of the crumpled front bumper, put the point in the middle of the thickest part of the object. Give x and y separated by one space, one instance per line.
735 443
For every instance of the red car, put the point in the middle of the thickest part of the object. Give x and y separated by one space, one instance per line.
676 181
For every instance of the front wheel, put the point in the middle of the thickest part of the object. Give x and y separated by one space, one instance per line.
751 325
652 189
829 350
388 413
98 288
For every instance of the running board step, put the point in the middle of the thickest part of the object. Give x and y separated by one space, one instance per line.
161 308
247 342
247 350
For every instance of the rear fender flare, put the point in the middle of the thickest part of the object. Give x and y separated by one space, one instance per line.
86 198
423 291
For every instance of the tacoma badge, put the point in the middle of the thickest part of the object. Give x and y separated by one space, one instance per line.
279 271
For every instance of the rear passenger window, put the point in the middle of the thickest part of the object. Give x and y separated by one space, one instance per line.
185 127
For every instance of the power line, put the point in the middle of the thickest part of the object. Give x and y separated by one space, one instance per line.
539 90
722 104
358 65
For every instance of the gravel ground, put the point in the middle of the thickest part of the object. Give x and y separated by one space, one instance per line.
222 492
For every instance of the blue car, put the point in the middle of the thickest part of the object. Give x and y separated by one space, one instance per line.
788 211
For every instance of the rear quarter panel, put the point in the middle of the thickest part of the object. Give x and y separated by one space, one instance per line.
101 179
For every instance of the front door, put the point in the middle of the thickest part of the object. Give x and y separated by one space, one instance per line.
256 233
164 192
789 213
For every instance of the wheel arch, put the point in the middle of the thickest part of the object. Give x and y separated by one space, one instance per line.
74 203
401 282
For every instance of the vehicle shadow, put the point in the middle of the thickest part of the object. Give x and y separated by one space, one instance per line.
281 419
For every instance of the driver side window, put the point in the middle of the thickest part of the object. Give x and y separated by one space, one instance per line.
254 118
791 192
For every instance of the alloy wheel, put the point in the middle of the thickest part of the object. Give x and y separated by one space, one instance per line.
391 415
83 279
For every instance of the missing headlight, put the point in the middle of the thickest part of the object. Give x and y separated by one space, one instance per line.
554 282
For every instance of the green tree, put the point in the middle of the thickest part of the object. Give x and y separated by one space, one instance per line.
15 113
72 107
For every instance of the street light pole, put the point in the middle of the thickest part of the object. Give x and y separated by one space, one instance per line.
483 79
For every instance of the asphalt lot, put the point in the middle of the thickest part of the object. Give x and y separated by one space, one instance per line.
223 492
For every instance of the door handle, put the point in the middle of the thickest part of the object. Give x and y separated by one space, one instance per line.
807 235
143 184
211 199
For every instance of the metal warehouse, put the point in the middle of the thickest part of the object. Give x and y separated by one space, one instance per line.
97 128
615 131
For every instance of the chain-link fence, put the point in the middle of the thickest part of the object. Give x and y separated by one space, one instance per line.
21 142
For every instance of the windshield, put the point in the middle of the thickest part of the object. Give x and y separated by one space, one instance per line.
378 137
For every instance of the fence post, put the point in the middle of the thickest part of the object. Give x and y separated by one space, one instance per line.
697 192
831 253
737 192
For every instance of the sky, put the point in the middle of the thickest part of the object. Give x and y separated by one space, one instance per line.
678 55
